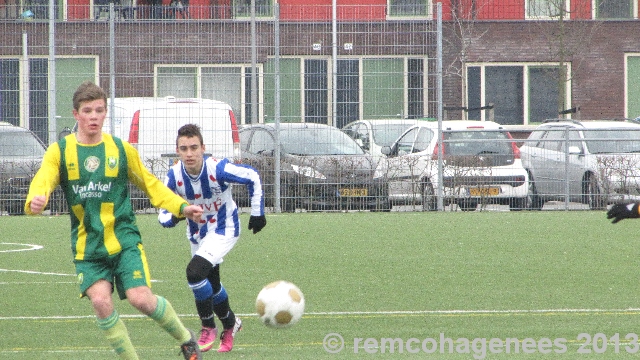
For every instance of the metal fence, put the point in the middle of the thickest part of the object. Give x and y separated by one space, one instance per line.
296 64
305 64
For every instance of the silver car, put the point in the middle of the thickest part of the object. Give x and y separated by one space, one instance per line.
321 168
373 135
21 153
481 165
592 162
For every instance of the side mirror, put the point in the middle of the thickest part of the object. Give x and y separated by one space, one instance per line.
575 150
386 150
66 131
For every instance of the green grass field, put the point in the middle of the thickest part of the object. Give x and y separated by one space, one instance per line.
528 276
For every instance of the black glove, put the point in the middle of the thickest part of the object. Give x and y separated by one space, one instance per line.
257 223
623 211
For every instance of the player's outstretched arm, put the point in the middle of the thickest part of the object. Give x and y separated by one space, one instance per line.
192 212
623 211
167 219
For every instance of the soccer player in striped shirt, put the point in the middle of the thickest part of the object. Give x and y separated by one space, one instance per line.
94 170
206 182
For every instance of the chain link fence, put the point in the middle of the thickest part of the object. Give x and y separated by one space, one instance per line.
293 64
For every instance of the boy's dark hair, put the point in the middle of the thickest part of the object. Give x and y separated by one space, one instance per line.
190 130
88 91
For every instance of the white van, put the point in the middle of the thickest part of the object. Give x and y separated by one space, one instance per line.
151 125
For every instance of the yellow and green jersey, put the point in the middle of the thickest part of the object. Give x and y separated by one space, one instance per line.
95 181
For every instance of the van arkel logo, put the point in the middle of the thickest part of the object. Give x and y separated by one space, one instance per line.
91 163
112 162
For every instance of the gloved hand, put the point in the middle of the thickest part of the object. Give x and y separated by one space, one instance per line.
623 211
257 223
167 219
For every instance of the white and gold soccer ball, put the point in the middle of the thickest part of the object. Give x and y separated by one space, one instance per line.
280 304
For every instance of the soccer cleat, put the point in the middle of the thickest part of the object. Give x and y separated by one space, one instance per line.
226 339
207 338
190 349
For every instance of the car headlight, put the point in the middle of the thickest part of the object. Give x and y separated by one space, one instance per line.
308 172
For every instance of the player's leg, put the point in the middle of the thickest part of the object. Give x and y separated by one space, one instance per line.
197 272
137 290
98 290
204 280
213 248
230 323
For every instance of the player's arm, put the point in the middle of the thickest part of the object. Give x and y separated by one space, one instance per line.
244 174
44 182
159 194
623 211
165 218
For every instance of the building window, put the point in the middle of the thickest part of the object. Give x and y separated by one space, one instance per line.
520 94
227 83
242 8
29 107
632 85
614 9
409 8
541 9
366 88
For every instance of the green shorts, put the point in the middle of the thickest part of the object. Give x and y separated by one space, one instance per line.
126 269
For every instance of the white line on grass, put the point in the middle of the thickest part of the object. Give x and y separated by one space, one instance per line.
369 313
36 272
44 273
28 247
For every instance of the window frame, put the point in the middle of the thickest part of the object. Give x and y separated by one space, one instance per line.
527 12
526 112
259 17
595 15
428 16
241 114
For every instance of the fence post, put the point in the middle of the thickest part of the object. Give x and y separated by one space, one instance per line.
491 112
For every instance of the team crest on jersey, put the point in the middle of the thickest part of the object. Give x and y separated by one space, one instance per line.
91 163
112 162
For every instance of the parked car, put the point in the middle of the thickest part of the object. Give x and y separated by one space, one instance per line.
21 153
592 162
481 165
372 135
321 168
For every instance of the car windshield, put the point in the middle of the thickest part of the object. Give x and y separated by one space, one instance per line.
612 141
20 144
384 134
477 143
318 141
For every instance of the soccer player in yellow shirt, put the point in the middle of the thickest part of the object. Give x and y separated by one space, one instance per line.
94 170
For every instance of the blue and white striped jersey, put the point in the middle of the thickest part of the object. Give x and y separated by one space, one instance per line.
211 190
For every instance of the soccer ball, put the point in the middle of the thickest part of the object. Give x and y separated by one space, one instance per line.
280 304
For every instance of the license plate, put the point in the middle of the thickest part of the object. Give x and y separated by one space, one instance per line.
490 191
352 192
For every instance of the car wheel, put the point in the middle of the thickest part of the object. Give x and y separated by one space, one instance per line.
518 204
592 195
428 197
467 205
535 201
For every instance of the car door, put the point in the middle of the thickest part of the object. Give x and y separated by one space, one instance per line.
258 148
361 133
547 161
409 162
552 171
